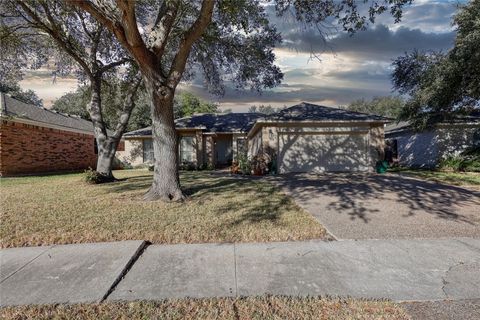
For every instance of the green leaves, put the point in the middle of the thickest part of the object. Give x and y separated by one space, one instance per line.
443 85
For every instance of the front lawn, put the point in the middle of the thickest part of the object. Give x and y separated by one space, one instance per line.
63 209
221 308
450 177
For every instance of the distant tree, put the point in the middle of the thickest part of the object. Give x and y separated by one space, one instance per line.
14 90
187 104
382 106
263 109
76 103
442 85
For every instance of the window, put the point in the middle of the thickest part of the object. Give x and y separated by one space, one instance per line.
187 149
148 151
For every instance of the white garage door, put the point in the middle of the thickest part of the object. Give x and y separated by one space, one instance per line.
322 152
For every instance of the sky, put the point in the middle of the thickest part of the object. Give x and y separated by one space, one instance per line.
346 68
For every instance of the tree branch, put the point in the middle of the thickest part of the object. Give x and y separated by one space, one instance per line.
115 64
55 32
161 30
128 105
127 34
112 24
193 34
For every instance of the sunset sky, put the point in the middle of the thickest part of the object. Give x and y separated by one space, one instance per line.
349 67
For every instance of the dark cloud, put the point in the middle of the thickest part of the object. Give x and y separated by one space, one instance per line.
376 43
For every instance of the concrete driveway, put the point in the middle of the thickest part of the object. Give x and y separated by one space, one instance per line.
371 206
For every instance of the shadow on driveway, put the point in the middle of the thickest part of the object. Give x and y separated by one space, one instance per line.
366 206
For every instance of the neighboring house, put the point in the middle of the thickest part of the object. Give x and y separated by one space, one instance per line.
37 140
424 149
302 138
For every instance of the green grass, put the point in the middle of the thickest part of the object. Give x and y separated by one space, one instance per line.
269 307
450 177
63 209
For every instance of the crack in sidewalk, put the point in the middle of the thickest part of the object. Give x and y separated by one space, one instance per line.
26 264
444 281
140 250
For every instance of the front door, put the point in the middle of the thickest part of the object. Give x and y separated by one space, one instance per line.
223 150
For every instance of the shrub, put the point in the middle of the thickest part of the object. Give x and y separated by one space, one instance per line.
451 162
94 177
244 164
187 166
260 164
468 160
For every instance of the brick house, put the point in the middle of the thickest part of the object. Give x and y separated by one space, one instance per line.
37 140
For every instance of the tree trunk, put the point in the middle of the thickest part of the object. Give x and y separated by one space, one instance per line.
166 182
106 148
105 158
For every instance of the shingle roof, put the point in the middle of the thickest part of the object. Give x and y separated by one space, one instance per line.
311 112
11 107
401 126
228 122
243 122
211 122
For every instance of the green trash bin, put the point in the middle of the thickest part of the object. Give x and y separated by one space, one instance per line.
382 166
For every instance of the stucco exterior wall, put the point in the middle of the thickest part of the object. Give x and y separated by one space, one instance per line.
376 144
30 149
255 144
425 149
417 150
209 150
133 152
455 139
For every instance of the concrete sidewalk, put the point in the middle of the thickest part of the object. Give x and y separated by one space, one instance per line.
64 274
401 270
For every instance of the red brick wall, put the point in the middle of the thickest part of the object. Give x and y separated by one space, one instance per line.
29 149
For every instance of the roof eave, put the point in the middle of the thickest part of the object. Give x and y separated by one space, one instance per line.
44 124
266 122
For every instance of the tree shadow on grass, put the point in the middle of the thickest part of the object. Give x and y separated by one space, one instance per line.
203 187
129 184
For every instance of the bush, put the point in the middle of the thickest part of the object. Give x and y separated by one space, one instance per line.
261 164
451 162
187 166
94 177
467 161
244 164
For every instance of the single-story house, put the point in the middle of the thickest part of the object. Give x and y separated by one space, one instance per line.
302 138
37 140
425 148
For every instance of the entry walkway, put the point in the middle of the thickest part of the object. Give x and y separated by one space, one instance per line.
401 270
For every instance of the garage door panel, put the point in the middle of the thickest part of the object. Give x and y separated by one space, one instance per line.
322 152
